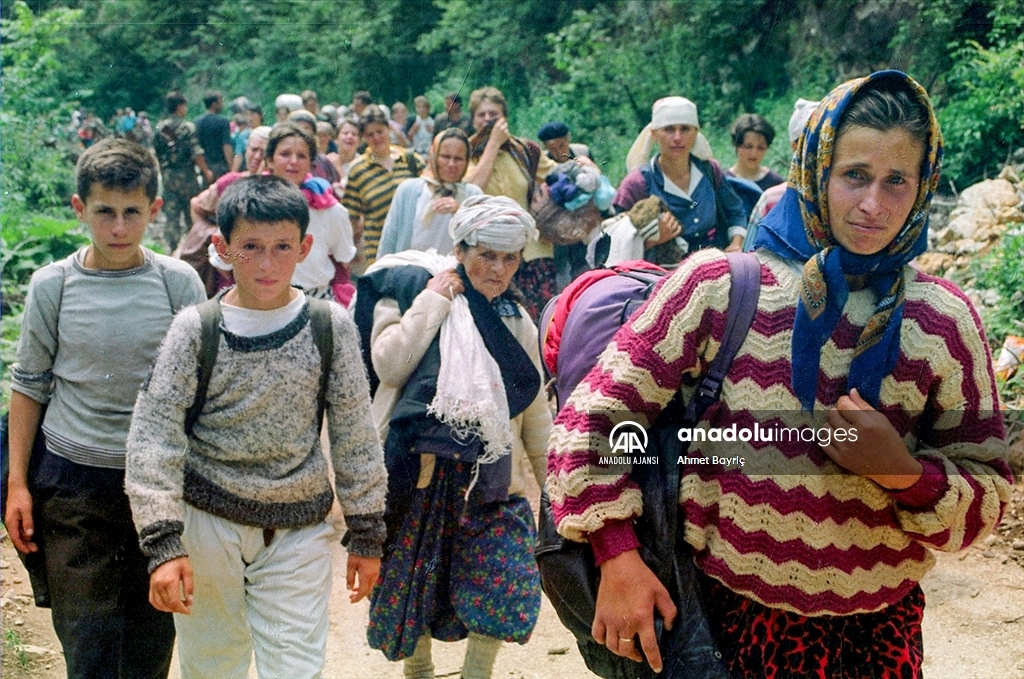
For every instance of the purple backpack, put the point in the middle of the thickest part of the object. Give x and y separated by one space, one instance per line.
594 319
597 314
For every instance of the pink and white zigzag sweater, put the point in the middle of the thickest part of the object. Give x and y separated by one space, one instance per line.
791 529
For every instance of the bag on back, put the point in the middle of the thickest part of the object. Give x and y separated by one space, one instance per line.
166 144
586 317
588 313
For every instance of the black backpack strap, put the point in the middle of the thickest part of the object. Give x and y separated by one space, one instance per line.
323 336
209 342
745 271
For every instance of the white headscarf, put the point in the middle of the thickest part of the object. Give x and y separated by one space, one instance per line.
802 111
261 131
292 102
496 222
667 111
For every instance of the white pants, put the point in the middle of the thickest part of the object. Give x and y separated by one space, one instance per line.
272 600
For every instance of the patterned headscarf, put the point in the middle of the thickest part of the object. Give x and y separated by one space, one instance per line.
432 175
799 228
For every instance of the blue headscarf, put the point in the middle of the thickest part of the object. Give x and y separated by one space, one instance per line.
799 228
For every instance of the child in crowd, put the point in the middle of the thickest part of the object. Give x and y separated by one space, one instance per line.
231 510
92 326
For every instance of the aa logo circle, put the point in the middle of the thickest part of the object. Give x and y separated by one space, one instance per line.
628 438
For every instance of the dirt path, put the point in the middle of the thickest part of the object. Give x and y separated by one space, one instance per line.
973 626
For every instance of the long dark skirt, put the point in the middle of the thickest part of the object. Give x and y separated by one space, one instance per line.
456 569
770 643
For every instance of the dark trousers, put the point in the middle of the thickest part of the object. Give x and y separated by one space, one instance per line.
99 584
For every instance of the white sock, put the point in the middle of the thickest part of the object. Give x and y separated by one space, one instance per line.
480 655
420 665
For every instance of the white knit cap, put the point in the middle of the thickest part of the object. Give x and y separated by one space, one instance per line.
673 111
802 111
496 222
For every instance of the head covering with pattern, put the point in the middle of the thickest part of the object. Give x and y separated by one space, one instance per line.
799 228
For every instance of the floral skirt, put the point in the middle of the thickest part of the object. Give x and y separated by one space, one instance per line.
456 569
758 641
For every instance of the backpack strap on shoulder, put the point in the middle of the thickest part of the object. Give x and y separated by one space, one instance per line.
323 336
745 271
209 342
717 176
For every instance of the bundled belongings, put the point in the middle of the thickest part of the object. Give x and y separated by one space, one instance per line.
579 193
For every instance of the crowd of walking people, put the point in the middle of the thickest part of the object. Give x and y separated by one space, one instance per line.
378 277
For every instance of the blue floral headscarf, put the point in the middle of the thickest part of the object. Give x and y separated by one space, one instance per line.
799 228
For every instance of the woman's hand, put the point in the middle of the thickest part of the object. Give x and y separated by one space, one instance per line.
871 446
447 283
668 228
735 245
357 230
627 597
445 206
171 587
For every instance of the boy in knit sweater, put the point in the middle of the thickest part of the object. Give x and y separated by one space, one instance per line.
92 326
231 513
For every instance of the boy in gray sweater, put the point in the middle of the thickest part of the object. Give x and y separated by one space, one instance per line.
231 513
93 323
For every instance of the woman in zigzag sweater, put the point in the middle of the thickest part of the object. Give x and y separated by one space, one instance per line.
878 436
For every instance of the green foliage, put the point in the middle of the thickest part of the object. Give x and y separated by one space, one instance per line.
34 157
983 117
1002 270
36 49
497 42
13 644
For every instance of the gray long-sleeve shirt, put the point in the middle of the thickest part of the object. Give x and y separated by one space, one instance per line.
89 364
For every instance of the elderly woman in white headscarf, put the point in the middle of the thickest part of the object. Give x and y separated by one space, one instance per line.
680 194
459 403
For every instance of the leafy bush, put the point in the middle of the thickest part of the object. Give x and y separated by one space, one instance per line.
29 241
983 117
1002 270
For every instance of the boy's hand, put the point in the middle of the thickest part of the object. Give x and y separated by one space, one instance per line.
364 570
168 582
19 521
